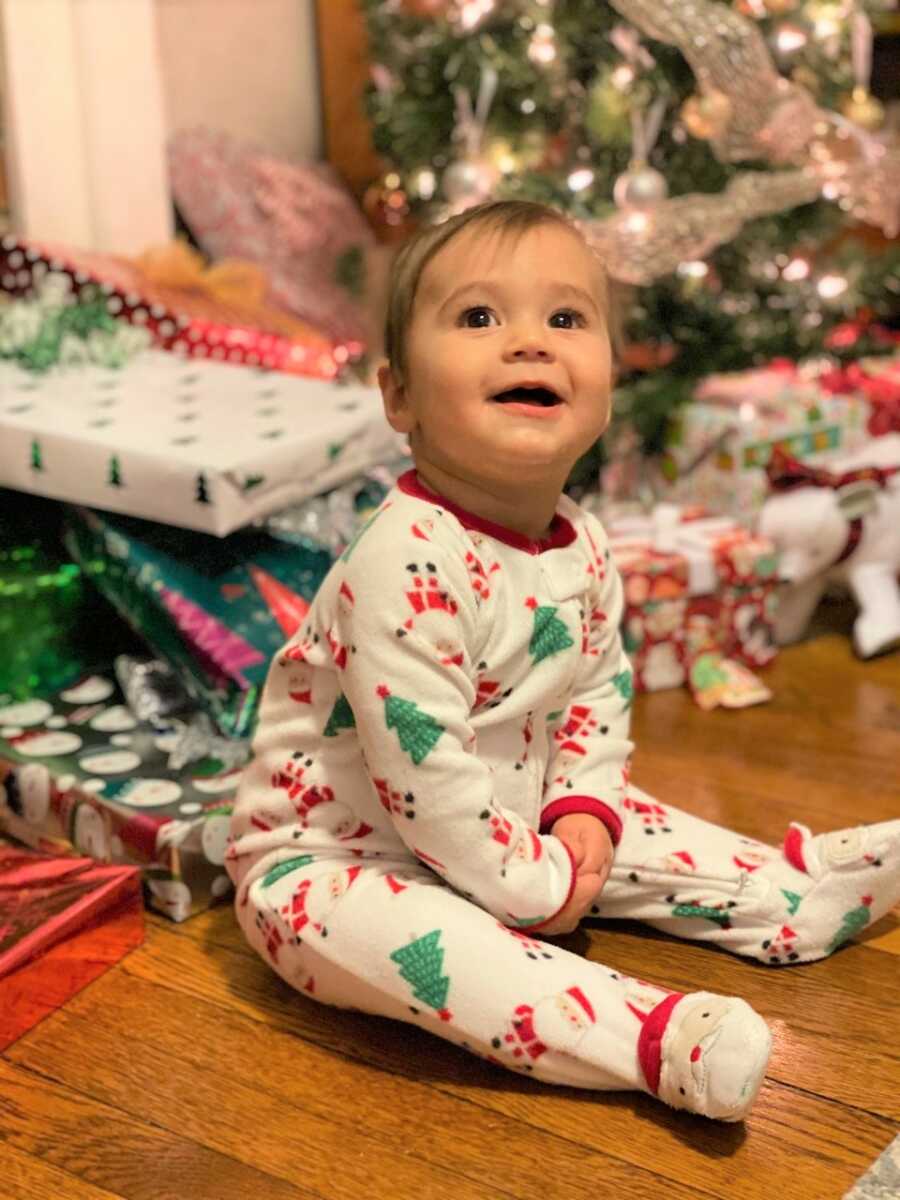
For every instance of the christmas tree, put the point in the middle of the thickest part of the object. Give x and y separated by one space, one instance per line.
719 154
418 731
201 493
114 479
421 963
37 460
341 717
550 634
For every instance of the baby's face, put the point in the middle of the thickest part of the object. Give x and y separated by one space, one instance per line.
508 357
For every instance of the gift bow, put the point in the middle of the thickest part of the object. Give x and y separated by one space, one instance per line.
786 473
231 281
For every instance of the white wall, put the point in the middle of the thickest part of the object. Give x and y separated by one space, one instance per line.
245 66
93 89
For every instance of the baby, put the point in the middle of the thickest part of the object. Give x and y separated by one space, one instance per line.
440 772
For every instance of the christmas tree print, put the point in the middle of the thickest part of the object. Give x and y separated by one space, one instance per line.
853 922
288 609
550 634
224 648
341 717
418 731
201 493
421 963
793 899
624 685
37 461
114 478
717 915
285 868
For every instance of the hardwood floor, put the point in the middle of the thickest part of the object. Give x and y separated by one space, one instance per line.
191 1071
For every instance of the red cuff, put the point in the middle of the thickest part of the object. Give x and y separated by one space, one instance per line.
553 916
583 804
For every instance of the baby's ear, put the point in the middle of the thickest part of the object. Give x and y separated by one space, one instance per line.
396 406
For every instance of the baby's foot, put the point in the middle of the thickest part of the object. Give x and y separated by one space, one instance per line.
856 874
713 1056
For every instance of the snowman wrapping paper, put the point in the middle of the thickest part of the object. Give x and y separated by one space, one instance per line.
79 773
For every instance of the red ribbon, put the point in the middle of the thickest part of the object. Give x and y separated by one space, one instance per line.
786 474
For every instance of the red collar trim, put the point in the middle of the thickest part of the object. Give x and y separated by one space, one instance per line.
562 531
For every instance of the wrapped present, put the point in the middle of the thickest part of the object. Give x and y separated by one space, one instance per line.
876 378
45 898
296 220
699 603
218 313
215 609
53 624
717 447
79 773
191 444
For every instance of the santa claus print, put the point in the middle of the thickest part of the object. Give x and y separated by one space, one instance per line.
580 724
782 946
271 936
530 946
479 577
393 801
557 1023
679 862
652 816
314 900
426 594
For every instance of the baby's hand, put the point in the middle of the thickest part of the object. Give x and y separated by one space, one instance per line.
592 850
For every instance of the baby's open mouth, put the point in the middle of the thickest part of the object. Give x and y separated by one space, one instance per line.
540 396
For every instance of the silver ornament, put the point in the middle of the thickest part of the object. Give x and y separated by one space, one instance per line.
640 187
468 181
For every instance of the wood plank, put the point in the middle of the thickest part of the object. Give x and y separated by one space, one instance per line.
848 1138
317 1084
266 1123
27 1178
71 1133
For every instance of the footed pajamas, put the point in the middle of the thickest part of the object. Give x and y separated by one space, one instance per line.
456 689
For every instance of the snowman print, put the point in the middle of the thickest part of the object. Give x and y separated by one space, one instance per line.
110 761
149 793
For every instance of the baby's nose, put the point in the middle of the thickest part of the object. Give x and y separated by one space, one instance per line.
528 346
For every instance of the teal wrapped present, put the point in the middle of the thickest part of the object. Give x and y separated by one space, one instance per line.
216 609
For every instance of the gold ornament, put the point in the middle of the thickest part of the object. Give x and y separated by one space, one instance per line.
863 109
502 157
386 205
706 116
532 149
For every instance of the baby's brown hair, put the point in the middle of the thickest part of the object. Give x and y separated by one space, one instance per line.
503 216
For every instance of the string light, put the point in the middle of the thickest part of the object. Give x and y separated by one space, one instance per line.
694 269
622 77
830 287
542 47
580 179
789 39
796 269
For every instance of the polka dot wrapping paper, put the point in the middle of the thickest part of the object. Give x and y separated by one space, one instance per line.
188 320
80 774
193 443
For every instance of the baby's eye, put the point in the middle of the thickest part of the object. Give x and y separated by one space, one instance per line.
478 317
567 318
